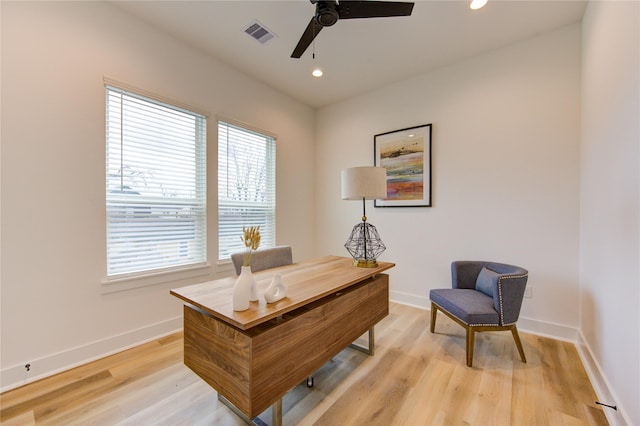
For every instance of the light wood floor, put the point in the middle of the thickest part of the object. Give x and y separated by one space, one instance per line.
415 378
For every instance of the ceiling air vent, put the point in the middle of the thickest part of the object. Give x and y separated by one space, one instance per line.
259 32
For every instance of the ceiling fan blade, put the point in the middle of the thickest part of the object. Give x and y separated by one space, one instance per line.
307 37
372 9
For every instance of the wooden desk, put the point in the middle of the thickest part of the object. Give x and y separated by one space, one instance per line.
253 358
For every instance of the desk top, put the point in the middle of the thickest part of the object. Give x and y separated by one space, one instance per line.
306 282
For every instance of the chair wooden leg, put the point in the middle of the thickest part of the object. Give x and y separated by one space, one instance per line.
434 314
471 338
516 337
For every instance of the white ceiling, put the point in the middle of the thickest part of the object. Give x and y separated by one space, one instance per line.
356 55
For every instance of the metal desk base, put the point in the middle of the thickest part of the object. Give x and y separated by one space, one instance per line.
276 413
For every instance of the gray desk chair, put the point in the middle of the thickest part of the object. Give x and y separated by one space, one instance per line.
485 296
264 258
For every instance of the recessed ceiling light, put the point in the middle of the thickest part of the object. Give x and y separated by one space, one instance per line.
477 4
317 72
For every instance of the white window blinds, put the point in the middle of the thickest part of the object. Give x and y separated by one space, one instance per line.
246 187
156 184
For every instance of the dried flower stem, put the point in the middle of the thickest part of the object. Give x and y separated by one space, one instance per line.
251 240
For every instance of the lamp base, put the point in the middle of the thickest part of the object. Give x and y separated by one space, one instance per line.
364 245
365 263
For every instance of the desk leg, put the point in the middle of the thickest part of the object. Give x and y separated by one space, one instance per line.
276 413
233 408
372 344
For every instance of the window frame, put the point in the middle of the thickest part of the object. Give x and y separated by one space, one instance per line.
268 235
198 266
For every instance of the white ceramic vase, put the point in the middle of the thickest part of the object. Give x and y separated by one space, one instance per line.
276 290
244 290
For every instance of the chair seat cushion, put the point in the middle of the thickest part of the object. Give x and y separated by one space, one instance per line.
470 306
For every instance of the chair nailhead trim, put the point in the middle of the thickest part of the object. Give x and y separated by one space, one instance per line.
506 277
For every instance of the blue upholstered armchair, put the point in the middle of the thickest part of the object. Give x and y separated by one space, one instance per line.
485 296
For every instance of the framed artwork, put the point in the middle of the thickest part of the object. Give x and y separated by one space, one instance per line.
406 156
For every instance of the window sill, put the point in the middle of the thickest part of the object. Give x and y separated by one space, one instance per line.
112 285
224 266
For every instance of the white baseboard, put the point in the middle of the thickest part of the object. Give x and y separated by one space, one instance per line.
17 375
409 299
541 328
600 384
548 329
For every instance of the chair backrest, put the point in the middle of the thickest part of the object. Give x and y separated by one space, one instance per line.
506 285
264 258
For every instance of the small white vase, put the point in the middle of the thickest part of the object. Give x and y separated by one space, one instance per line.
276 290
253 297
244 290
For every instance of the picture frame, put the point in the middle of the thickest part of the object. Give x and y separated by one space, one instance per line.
406 156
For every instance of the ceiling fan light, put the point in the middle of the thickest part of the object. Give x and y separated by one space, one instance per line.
317 72
477 4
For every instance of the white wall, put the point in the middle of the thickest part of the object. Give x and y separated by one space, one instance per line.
505 173
610 202
54 57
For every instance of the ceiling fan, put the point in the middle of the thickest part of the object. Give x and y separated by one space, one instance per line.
329 12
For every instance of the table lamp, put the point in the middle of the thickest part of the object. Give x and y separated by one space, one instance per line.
364 183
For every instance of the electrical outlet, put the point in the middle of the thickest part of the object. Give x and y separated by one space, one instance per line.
528 292
27 369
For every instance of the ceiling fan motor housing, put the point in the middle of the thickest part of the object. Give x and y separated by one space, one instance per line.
326 14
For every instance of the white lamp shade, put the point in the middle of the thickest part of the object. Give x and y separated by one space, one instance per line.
364 182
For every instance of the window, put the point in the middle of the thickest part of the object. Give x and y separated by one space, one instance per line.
246 187
156 185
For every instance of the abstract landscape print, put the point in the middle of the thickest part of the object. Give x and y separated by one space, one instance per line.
405 168
406 156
